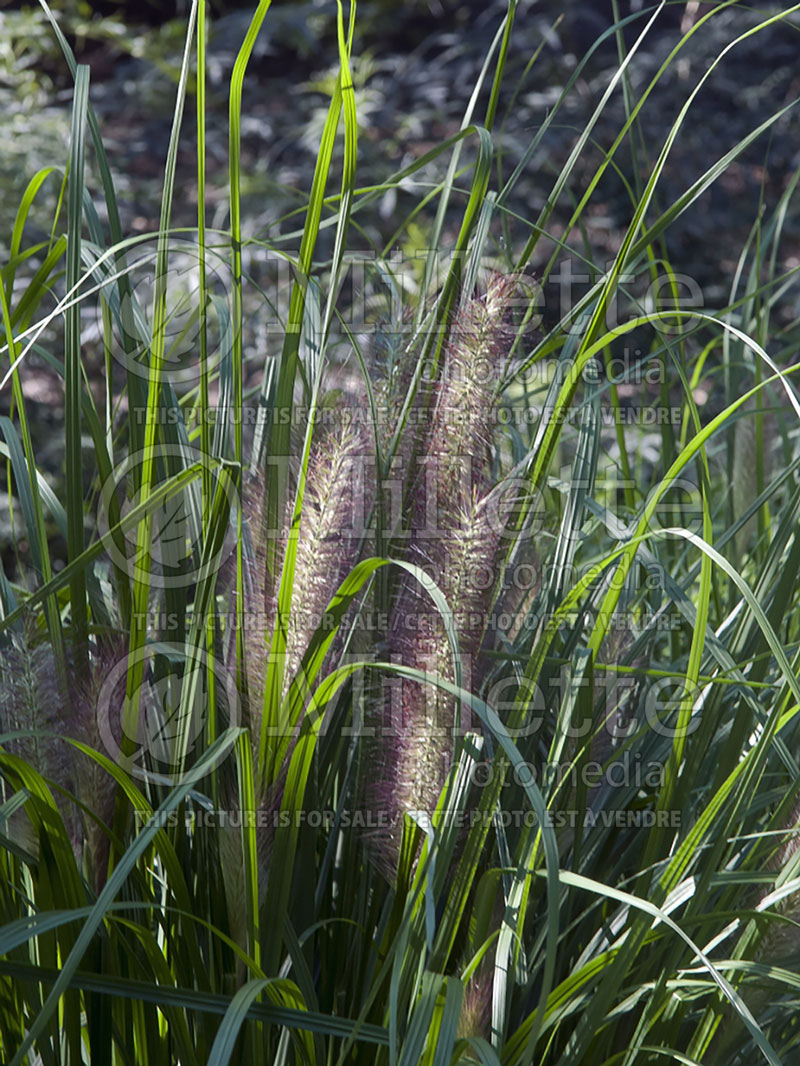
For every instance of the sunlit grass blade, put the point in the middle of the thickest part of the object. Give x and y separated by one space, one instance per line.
156 349
72 368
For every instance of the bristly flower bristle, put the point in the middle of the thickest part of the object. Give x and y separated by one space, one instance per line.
330 531
258 606
456 530
32 700
396 387
331 526
95 786
32 704
476 1006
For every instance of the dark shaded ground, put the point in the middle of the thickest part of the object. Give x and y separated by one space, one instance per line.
409 100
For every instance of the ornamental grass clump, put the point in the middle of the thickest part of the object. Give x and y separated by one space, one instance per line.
241 911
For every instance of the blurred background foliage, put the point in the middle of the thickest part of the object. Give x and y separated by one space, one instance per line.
414 67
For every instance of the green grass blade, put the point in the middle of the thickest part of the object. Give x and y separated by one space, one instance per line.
72 368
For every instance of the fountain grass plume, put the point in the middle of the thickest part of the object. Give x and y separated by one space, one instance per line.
393 361
47 715
328 545
32 704
330 532
476 1007
455 536
258 607
95 786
